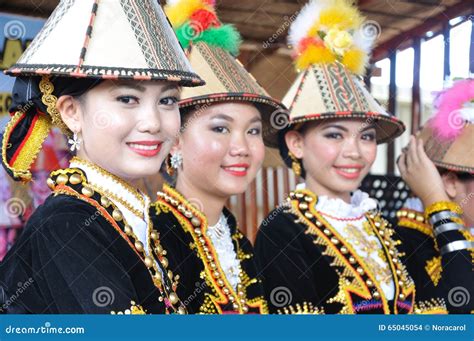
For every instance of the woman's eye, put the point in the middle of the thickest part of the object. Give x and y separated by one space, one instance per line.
333 136
369 137
255 131
127 99
220 130
169 101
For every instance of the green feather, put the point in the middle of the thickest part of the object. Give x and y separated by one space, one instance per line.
185 33
224 36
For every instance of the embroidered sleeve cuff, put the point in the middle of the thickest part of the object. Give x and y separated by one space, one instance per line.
134 309
306 308
414 220
443 206
434 306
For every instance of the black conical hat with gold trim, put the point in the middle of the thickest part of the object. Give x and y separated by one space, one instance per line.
331 45
82 43
211 47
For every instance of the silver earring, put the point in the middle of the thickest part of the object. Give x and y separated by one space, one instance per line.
75 142
176 160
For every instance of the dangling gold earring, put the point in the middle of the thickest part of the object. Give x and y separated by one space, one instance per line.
295 164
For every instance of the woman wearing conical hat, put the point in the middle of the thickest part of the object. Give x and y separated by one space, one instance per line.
327 249
224 128
109 74
436 225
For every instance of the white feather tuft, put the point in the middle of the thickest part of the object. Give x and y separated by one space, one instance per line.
467 113
172 2
307 17
362 41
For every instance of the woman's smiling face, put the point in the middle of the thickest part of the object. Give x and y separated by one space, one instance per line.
336 154
126 127
222 148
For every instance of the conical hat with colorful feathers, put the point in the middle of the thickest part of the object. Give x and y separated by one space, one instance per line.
331 49
448 136
107 39
211 48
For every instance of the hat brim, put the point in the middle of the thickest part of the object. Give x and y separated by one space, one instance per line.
274 114
451 154
183 78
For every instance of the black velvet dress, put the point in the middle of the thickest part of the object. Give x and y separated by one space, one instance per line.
203 286
449 275
77 255
308 267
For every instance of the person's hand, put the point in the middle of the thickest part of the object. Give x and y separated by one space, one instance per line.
420 173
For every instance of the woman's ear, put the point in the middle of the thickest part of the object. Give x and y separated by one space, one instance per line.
71 112
177 144
175 149
294 142
449 180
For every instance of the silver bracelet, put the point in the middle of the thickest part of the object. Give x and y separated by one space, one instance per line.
456 246
442 216
447 227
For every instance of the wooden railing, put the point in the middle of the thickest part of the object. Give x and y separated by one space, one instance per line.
267 191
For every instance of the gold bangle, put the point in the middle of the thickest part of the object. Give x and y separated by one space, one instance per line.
443 206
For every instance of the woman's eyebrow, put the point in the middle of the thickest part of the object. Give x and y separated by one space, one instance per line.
372 126
170 87
256 119
223 117
133 86
337 126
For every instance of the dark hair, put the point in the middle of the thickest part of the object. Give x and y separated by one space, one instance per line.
462 176
284 151
26 92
